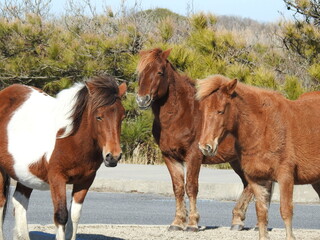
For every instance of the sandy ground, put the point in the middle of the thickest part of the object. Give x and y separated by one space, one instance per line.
151 232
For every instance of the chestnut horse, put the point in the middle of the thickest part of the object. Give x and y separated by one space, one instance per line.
176 125
50 142
277 139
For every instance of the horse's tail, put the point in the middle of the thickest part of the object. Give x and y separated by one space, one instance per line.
6 191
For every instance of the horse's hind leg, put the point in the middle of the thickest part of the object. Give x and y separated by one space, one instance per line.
79 192
4 193
240 209
177 176
20 202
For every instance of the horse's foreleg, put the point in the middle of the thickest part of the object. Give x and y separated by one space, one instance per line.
177 176
316 187
20 202
261 197
192 186
4 192
58 195
286 206
79 193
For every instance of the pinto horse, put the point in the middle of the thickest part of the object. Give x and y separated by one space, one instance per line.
50 142
176 125
277 139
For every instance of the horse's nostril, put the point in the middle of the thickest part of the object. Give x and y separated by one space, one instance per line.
209 148
138 98
109 156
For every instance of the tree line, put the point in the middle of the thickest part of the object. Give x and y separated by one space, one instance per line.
52 52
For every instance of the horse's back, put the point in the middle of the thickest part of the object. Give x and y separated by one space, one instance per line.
309 95
12 97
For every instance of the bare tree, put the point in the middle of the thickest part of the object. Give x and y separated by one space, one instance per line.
309 10
19 9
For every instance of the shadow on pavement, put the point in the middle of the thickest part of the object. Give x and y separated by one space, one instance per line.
204 228
35 235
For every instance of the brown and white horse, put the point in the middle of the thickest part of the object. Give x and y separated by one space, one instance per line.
277 139
176 129
49 142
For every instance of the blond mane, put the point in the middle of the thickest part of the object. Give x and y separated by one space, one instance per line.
210 84
147 57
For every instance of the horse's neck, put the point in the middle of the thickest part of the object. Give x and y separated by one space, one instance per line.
82 142
179 98
250 117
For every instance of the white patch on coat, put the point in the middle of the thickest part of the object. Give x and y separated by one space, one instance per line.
73 220
32 131
60 233
66 100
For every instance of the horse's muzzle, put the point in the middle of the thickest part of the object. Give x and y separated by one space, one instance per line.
112 161
208 150
144 102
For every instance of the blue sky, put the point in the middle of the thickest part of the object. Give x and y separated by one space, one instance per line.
260 10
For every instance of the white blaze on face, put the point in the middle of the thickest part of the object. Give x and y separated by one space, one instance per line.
104 153
215 145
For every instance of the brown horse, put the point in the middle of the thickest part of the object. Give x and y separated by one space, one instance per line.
176 125
277 139
50 142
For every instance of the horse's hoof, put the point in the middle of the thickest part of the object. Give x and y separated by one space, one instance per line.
192 229
236 227
175 228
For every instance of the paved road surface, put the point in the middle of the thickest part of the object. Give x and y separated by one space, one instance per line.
151 209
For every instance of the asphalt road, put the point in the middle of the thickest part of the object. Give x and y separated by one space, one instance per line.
151 209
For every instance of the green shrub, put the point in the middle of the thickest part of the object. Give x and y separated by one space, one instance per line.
166 28
314 71
292 87
54 53
263 77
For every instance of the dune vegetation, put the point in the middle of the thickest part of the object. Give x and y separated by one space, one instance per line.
52 52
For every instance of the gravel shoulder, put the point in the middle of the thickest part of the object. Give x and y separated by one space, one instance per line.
147 232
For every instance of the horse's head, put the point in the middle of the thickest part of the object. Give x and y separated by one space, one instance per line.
106 117
215 95
153 76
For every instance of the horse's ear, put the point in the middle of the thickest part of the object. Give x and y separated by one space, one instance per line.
231 86
122 89
91 88
165 54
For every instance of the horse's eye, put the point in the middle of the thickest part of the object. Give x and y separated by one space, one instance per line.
160 73
99 118
220 112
